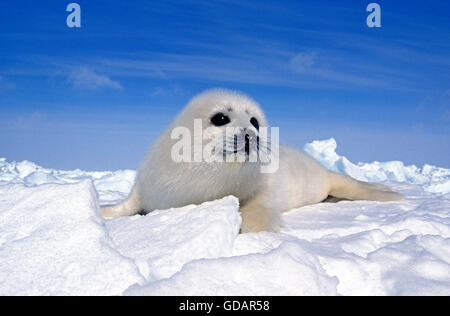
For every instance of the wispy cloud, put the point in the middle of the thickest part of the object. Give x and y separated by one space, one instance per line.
170 89
30 120
87 79
308 69
302 61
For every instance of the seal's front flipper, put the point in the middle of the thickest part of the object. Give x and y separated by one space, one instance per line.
257 218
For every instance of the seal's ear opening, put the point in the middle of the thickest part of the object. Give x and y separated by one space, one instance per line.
220 119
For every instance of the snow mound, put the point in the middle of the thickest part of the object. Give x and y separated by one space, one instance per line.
112 186
286 270
163 241
53 241
380 248
434 179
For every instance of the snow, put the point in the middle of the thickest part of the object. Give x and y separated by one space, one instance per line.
433 179
161 242
285 270
53 241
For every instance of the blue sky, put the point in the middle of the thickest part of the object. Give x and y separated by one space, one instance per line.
96 97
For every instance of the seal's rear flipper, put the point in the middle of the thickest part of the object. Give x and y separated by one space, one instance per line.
345 187
128 207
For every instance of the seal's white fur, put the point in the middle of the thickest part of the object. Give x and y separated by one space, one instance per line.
300 180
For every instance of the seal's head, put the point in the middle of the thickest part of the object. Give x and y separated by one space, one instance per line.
231 123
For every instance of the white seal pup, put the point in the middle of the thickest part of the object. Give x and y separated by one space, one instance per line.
163 183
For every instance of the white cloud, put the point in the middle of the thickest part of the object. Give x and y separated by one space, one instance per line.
171 89
88 79
302 61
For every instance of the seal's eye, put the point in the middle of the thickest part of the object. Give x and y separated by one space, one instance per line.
220 119
254 123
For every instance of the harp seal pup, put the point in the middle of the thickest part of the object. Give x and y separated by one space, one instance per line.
162 183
